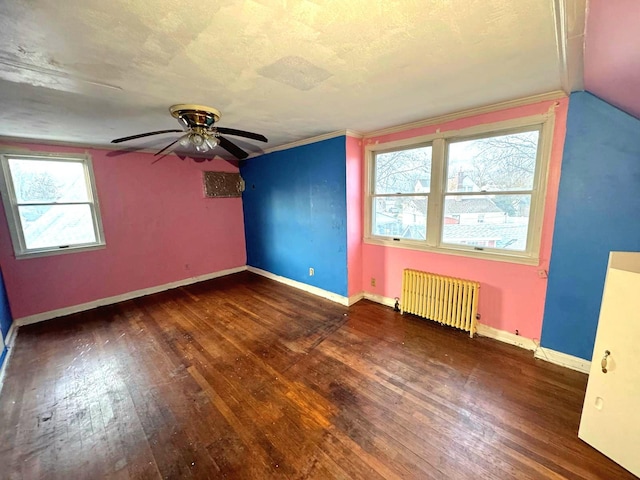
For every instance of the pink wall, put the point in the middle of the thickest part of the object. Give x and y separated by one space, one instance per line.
158 226
612 53
354 215
512 295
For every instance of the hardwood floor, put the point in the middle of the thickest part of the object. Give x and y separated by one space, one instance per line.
242 377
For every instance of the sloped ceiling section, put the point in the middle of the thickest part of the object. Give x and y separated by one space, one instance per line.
88 71
612 53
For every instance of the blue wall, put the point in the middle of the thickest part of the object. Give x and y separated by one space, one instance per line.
295 213
598 211
5 316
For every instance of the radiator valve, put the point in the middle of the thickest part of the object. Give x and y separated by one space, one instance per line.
396 307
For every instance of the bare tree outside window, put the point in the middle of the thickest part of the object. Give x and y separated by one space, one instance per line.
400 171
402 181
503 163
503 167
485 182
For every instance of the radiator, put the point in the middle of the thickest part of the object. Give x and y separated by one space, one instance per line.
446 300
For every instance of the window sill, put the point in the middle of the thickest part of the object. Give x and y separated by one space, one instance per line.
60 251
459 252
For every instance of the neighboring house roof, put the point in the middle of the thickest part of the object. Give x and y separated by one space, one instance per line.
383 217
509 235
415 232
455 206
419 207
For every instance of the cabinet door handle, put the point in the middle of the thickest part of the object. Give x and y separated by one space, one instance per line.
603 363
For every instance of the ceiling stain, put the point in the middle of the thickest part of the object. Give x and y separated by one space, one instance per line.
296 72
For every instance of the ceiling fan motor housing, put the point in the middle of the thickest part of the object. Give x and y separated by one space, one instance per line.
195 116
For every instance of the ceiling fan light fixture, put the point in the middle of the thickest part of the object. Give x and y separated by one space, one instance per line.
197 139
199 132
212 142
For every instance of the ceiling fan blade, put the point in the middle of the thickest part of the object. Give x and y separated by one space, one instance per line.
242 133
232 148
169 148
133 137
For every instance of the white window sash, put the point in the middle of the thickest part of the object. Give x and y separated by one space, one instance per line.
438 188
12 205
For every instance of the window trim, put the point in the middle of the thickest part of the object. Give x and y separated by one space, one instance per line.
545 122
372 185
9 199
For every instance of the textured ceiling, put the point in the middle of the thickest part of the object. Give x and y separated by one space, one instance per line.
612 53
88 71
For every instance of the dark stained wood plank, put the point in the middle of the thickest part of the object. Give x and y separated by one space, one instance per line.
242 377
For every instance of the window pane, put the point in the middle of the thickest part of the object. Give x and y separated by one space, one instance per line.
492 221
48 181
404 171
400 217
56 225
505 162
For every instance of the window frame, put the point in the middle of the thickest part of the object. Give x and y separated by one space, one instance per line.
438 189
11 203
375 195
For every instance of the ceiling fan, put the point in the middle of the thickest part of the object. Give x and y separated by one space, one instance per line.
199 132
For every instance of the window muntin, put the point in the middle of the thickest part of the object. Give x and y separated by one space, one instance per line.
50 203
486 193
401 184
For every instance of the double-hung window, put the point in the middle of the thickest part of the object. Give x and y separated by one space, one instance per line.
474 192
50 203
400 195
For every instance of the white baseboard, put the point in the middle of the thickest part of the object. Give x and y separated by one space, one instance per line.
356 298
39 317
3 368
319 292
506 337
558 358
11 335
8 342
563 359
388 301
552 356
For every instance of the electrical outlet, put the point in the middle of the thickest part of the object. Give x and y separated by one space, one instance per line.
373 282
312 272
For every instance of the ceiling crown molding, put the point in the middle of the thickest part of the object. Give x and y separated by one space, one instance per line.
307 141
449 117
